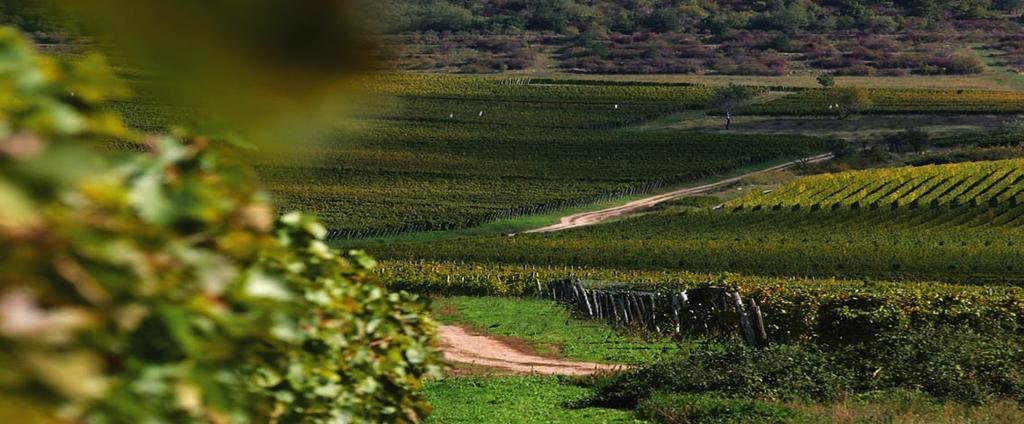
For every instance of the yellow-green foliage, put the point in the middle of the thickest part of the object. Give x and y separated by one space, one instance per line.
794 308
159 287
991 183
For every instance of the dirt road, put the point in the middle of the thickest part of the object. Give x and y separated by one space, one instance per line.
593 217
462 347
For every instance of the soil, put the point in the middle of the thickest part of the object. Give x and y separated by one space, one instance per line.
468 350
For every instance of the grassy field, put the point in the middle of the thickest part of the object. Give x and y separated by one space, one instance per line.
500 400
551 329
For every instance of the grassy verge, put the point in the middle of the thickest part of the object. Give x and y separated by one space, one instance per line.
515 400
550 329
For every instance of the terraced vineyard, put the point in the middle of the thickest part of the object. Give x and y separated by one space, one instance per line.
979 244
992 183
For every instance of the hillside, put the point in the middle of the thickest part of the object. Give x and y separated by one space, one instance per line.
777 37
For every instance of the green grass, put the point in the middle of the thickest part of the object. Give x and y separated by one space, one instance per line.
551 329
514 400
996 71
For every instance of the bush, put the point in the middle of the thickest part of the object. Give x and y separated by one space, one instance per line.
781 372
159 287
955 363
904 141
964 63
709 409
949 363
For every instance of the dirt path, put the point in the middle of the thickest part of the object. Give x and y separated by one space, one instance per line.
593 217
462 347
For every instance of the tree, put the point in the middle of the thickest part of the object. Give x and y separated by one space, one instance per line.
912 139
846 101
731 99
965 62
663 20
1008 6
826 80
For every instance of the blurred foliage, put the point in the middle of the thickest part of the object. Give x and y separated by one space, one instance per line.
271 72
160 287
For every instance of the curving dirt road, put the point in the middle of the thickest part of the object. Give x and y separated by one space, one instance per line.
460 346
593 217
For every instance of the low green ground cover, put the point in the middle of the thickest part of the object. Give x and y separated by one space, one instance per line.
552 329
502 400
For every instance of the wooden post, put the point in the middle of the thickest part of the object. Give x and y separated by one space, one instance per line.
621 300
760 334
586 301
675 314
610 299
748 329
540 292
654 312
635 313
644 312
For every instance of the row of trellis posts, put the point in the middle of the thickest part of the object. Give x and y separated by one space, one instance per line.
711 311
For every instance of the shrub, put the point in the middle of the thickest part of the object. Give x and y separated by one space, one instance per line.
709 409
781 372
949 363
946 362
826 80
159 287
965 63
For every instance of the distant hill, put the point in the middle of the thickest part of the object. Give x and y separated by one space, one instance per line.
774 37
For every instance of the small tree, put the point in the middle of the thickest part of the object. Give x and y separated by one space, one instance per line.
846 101
826 80
731 99
910 140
